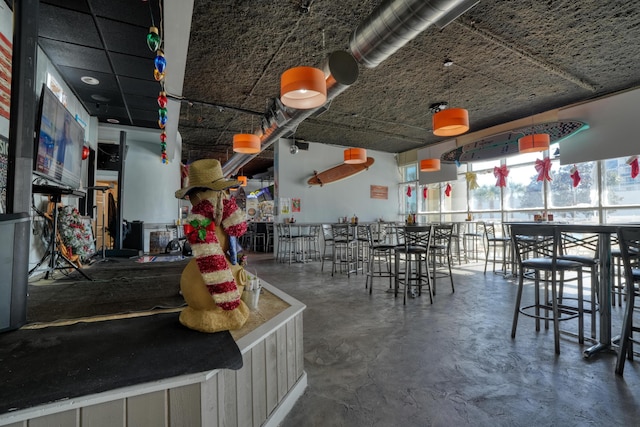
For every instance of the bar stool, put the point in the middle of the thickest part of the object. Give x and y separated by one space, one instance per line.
413 254
583 248
327 238
440 250
345 246
493 242
471 238
287 243
629 241
380 259
544 242
362 236
269 237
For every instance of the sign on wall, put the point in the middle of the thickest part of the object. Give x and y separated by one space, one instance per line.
379 192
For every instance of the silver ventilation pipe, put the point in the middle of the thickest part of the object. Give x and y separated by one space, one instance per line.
389 27
341 71
394 23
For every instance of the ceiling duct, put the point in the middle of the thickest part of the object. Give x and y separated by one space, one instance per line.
389 27
394 23
341 71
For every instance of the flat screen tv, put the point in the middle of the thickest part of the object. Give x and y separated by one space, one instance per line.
59 141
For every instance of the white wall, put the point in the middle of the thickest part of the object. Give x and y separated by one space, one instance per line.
149 185
345 198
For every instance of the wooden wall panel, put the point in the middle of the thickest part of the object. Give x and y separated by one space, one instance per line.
107 414
258 384
281 337
210 402
184 406
291 354
299 347
243 391
271 372
148 409
61 419
229 398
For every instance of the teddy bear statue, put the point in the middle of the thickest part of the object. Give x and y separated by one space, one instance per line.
212 282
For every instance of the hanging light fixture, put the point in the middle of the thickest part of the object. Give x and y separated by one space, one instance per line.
429 165
452 121
246 143
303 88
243 180
534 141
354 156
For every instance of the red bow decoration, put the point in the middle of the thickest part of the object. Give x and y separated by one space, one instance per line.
501 173
633 162
575 176
197 230
543 167
425 192
409 191
447 190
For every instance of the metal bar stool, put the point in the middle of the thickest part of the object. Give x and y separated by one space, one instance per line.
544 242
413 255
380 258
629 241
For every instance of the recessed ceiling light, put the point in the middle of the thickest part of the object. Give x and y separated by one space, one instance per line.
90 80
100 98
114 121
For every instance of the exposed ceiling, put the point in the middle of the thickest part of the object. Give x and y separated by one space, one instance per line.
503 51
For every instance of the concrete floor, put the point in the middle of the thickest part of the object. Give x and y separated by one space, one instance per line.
371 361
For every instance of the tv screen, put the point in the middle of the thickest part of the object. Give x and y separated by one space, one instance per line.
59 142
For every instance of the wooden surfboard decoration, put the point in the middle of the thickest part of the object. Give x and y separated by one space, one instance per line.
338 173
505 143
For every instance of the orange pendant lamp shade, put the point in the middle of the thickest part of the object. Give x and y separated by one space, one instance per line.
451 122
243 180
429 165
303 88
533 143
354 156
246 143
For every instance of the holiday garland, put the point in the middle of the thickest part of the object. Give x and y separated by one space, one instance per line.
210 257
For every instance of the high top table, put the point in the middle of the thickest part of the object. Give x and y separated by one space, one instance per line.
604 231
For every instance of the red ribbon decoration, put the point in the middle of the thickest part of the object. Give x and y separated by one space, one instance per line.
409 191
447 190
193 234
425 192
634 167
543 167
501 173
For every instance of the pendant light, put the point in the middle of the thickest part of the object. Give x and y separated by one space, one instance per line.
354 156
534 141
429 165
246 143
303 88
243 180
452 121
